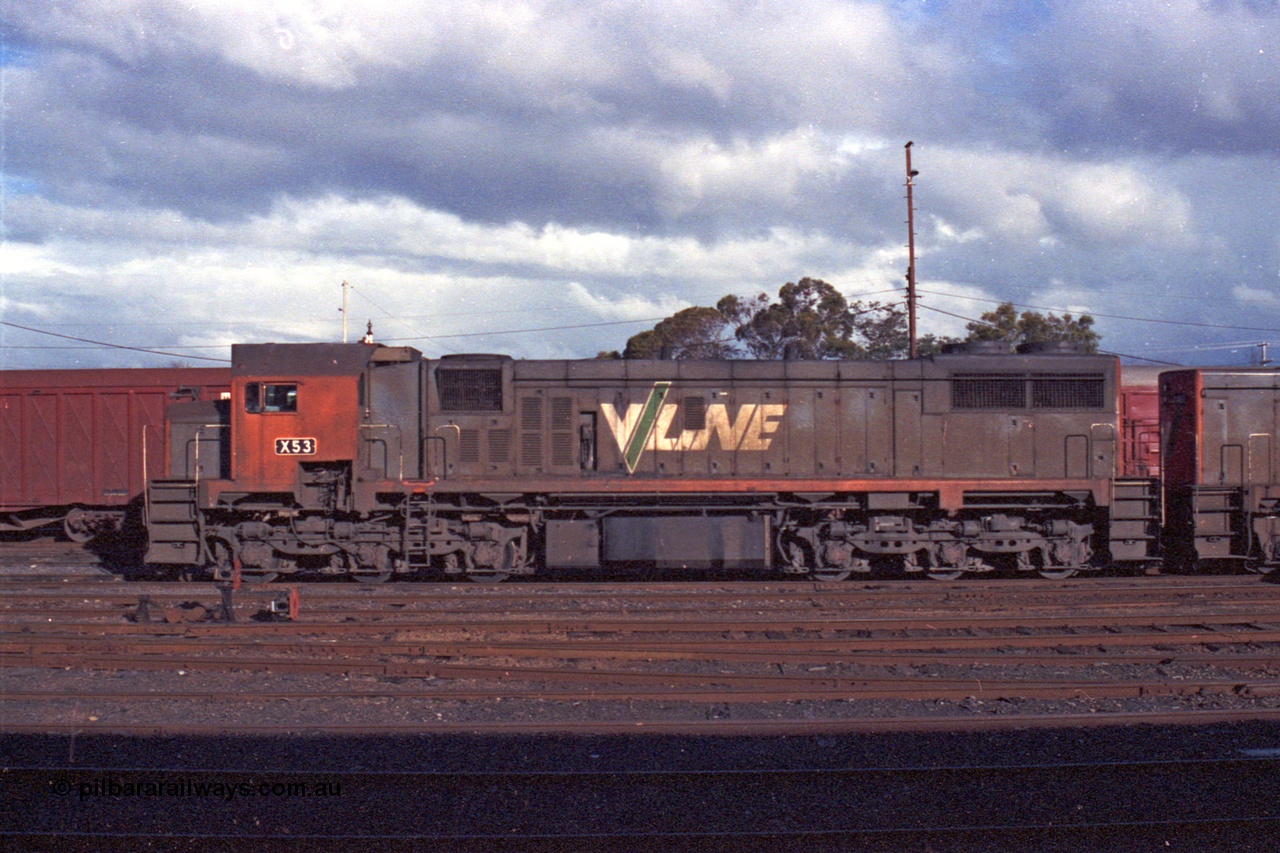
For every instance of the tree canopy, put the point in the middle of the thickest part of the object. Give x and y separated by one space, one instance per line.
812 320
1006 324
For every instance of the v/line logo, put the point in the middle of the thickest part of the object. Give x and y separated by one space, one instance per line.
647 426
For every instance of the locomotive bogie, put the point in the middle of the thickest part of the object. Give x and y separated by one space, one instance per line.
294 543
938 546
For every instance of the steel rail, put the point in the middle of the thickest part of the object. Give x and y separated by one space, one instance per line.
17 602
1140 589
997 650
969 722
728 689
202 614
690 687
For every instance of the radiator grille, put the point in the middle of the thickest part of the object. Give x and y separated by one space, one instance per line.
531 414
469 445
1058 391
470 390
561 448
562 413
695 413
499 445
988 391
531 450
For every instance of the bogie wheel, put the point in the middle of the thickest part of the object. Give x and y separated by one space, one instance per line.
1057 574
76 528
372 577
220 555
830 575
497 574
488 577
946 574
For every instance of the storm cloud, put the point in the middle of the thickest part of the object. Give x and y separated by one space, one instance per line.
548 178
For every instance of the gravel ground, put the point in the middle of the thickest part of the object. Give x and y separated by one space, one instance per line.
1003 780
423 713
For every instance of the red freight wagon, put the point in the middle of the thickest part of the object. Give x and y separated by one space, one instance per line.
77 446
1140 421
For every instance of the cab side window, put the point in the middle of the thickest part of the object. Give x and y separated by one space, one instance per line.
262 397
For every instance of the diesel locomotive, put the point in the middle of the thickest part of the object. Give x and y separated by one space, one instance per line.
373 462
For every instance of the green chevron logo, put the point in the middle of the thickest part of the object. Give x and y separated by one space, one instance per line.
643 429
651 425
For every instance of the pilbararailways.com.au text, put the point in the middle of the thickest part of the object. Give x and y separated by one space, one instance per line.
224 789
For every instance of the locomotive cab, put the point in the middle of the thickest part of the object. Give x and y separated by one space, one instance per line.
294 422
323 423
301 448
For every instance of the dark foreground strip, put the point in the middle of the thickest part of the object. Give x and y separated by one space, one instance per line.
1217 804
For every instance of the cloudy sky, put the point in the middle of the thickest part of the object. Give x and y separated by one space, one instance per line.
549 178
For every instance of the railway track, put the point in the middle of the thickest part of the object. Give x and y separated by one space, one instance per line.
711 650
686 665
717 727
666 687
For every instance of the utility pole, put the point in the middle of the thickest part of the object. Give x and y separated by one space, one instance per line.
343 309
912 351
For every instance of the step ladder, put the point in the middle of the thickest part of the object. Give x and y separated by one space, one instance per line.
1135 520
173 523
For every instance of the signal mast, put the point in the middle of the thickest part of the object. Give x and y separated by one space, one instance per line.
912 351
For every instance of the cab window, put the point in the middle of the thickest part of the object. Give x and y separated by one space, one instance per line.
263 397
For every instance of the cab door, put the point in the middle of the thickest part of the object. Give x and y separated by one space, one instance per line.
282 422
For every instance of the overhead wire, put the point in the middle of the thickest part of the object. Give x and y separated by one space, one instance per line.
1108 316
109 345
1103 352
359 292
1113 317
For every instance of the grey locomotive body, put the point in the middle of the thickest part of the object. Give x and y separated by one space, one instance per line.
377 462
